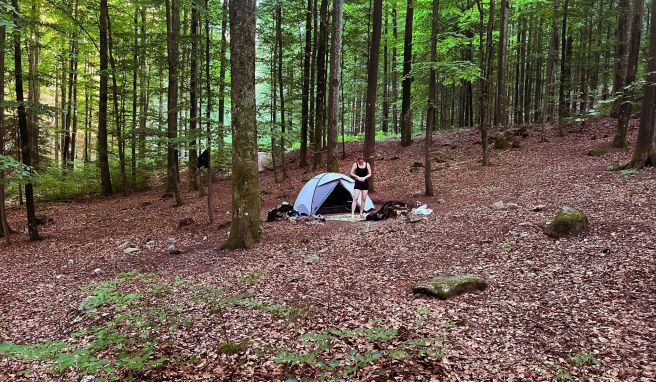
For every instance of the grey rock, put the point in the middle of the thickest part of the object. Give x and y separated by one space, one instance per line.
499 206
568 222
539 207
445 287
88 378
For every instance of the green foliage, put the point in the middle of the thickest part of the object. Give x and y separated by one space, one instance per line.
584 359
15 171
232 347
251 278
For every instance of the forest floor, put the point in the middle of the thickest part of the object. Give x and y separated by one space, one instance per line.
334 300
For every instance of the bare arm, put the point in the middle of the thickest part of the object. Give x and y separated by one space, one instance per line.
352 173
369 172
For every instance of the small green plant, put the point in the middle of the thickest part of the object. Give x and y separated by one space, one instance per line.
562 375
251 278
584 359
232 347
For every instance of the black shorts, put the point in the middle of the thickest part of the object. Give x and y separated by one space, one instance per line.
361 185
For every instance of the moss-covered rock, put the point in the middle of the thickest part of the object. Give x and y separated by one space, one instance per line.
232 347
445 287
568 222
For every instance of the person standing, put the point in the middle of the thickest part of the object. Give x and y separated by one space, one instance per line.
361 172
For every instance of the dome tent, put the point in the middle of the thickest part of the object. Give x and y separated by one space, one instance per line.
328 192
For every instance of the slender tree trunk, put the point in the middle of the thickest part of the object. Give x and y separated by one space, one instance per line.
372 87
65 133
333 93
307 58
320 108
627 95
143 89
117 118
485 84
274 111
208 113
622 40
432 102
34 86
73 153
282 91
103 158
4 227
87 115
193 100
406 109
563 111
172 30
313 70
133 136
500 107
222 74
548 99
22 125
245 230
395 115
645 149
384 124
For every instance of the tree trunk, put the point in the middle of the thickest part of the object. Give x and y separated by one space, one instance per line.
222 74
313 71
548 99
117 118
34 86
372 87
485 84
333 93
133 136
432 102
193 99
395 113
143 89
307 57
384 124
4 227
320 108
103 159
282 91
619 71
245 229
634 55
22 125
406 109
563 109
500 107
645 149
208 113
172 29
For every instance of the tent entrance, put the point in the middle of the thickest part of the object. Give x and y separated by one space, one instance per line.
339 201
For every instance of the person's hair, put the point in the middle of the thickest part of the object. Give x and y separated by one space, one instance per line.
360 156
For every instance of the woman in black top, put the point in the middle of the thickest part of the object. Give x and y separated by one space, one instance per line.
361 172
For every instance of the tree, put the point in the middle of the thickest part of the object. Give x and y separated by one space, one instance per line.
120 136
485 82
622 40
320 109
307 56
333 94
172 29
619 141
26 155
645 148
103 158
4 227
208 113
372 87
395 113
193 99
222 71
563 110
432 102
245 228
406 110
500 119
282 90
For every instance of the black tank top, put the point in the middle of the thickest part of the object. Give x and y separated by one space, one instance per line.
361 172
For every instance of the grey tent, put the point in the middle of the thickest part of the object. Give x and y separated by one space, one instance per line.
326 193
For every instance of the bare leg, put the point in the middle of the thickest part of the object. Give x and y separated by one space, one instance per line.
363 201
356 195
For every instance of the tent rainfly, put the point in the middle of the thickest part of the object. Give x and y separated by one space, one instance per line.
326 193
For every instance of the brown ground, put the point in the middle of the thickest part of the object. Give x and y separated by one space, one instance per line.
548 300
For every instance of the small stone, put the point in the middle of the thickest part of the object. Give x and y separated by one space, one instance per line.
539 207
568 222
414 218
499 206
88 378
512 206
130 249
97 271
445 287
312 259
150 244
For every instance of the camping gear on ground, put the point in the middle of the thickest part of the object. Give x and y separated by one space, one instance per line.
422 210
283 211
328 193
393 208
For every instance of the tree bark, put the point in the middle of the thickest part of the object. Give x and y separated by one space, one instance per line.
645 148
208 113
245 228
563 109
406 109
117 118
103 158
333 94
282 91
193 99
307 58
372 87
222 74
172 30
622 40
432 102
627 95
143 89
320 108
22 125
500 107
4 227
485 84
395 115
385 119
133 136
